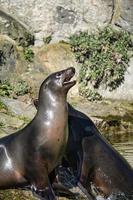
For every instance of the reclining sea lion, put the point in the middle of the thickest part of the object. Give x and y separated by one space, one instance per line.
98 163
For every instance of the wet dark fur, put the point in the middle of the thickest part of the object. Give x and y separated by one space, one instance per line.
28 156
93 160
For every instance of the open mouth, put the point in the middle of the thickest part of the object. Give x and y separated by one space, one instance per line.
69 73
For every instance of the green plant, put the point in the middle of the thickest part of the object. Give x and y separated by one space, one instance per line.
91 95
103 57
26 40
2 125
5 88
30 39
47 39
21 88
2 105
28 54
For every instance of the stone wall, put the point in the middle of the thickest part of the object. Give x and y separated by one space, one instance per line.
60 18
21 20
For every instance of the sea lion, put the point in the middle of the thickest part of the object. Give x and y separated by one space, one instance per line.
29 155
95 163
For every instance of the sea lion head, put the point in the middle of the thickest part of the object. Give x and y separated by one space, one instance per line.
58 83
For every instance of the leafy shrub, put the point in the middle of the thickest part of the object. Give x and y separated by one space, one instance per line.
103 57
2 106
47 39
10 90
5 88
91 95
28 54
26 40
21 88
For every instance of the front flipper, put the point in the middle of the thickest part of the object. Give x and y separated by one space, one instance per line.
44 194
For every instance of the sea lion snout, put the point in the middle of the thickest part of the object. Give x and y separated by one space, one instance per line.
67 75
70 70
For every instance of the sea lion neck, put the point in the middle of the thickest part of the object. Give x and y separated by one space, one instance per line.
52 96
51 101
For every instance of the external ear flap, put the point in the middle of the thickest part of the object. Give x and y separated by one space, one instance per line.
35 101
46 84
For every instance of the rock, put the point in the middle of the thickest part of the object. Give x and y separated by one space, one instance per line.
2 132
10 123
18 31
124 16
19 108
12 61
16 195
56 56
60 18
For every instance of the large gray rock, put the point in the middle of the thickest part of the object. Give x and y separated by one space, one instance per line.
60 18
10 123
11 58
124 18
19 108
14 28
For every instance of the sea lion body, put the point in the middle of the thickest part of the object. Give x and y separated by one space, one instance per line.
107 170
96 162
29 155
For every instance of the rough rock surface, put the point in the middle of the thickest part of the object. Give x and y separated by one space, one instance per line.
11 26
15 115
10 123
60 18
19 108
124 15
11 58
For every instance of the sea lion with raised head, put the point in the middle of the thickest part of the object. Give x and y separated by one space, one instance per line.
29 155
95 163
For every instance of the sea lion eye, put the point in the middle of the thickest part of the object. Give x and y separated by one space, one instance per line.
58 75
